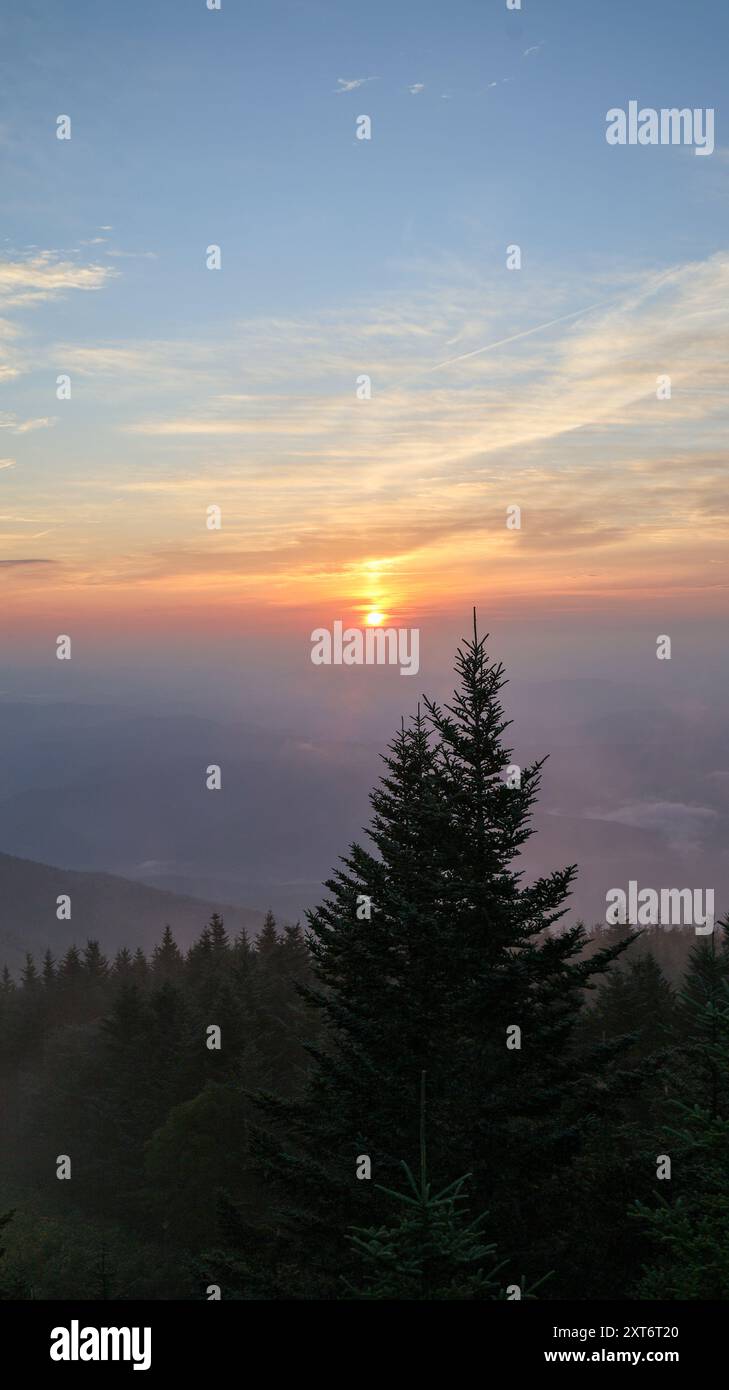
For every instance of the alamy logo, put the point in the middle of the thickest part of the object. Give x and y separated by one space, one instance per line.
669 126
76 1343
665 907
374 646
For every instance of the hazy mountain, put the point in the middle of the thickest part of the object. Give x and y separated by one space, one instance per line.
113 910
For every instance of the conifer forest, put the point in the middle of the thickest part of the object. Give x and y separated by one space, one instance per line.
436 1087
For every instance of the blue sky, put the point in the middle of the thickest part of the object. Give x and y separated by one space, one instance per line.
192 127
343 256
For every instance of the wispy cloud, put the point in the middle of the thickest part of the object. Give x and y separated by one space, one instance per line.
15 563
683 826
27 283
132 255
16 426
350 84
34 279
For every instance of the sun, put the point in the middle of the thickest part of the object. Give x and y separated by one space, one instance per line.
374 619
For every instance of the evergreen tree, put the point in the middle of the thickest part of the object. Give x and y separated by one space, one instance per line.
273 1056
128 1092
219 943
123 968
688 1221
167 962
71 986
96 972
432 1251
215 986
71 970
29 975
428 954
199 958
242 946
140 968
267 939
94 963
49 970
634 1022
638 1004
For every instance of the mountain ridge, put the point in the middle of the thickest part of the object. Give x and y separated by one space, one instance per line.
109 908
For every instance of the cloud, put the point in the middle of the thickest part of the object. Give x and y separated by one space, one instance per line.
345 84
11 422
534 49
150 367
132 255
681 825
11 563
36 279
32 280
417 88
7 463
46 422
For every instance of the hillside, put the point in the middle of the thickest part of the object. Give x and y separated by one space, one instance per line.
115 911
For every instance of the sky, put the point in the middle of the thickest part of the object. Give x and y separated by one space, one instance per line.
341 257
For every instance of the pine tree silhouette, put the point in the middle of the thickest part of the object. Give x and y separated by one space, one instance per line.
454 953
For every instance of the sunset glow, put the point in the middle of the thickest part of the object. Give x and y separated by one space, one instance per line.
486 389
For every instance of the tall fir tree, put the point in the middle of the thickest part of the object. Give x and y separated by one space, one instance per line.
431 955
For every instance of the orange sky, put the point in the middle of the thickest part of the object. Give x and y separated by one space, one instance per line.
333 505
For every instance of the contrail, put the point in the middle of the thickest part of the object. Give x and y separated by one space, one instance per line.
525 334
